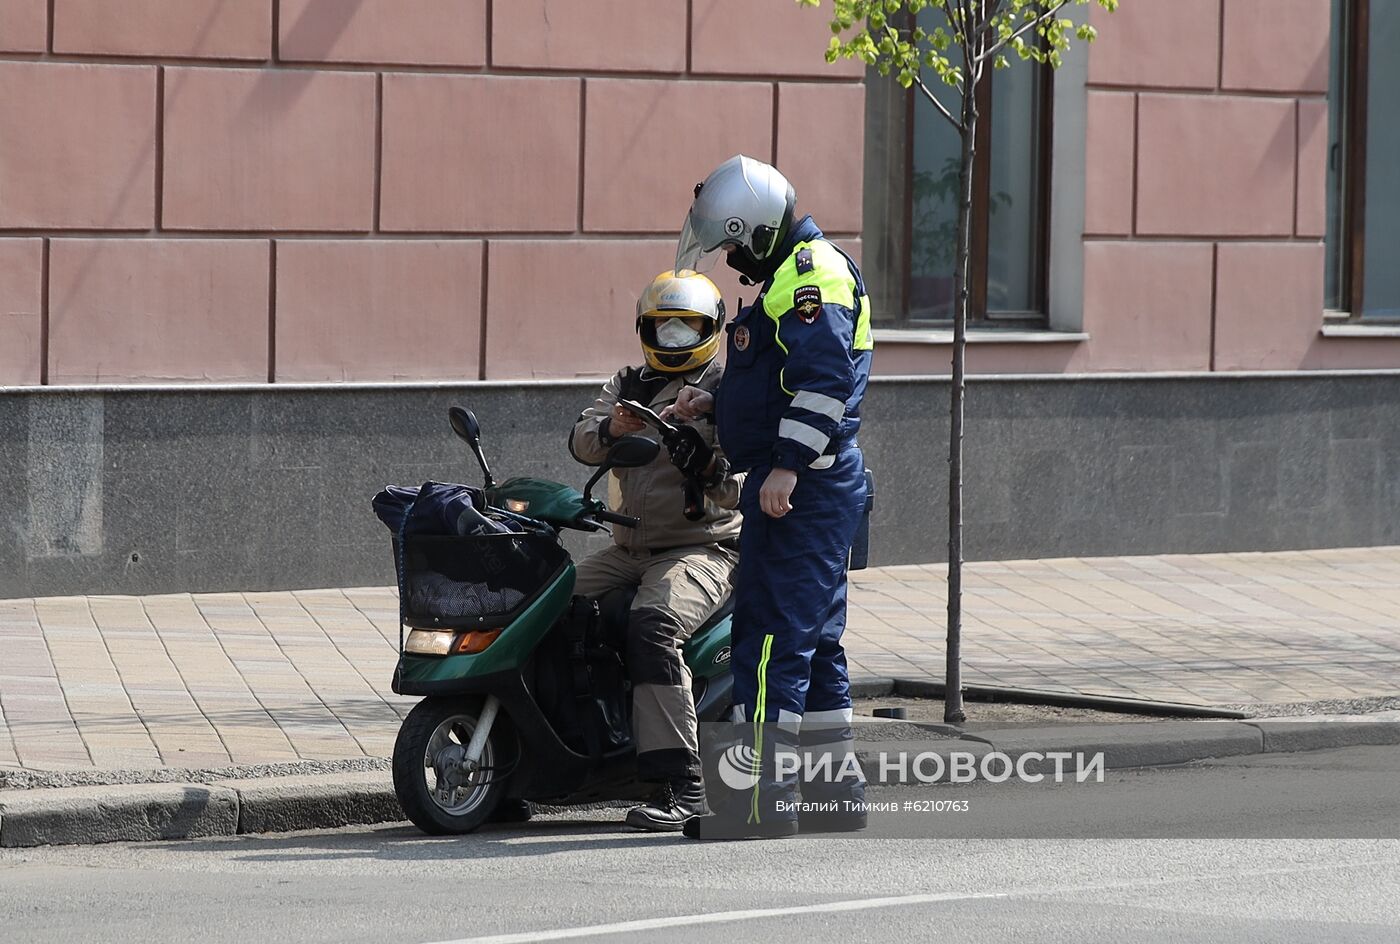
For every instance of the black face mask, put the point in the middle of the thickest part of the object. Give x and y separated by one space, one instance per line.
758 271
743 262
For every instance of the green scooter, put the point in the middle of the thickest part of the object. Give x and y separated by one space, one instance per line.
526 696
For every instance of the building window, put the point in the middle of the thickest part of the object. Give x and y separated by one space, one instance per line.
1363 175
911 203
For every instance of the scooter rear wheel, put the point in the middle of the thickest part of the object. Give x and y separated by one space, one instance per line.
435 726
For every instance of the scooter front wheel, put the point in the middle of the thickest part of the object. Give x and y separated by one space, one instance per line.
438 792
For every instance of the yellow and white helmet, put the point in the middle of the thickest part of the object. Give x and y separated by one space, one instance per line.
679 317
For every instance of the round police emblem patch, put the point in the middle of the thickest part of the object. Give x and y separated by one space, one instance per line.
741 338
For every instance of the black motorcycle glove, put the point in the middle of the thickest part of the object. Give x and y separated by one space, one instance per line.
689 451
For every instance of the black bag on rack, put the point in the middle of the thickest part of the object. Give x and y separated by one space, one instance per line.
439 508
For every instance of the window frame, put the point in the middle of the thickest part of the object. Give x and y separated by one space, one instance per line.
901 268
1351 229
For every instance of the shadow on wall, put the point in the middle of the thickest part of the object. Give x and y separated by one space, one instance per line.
316 31
320 25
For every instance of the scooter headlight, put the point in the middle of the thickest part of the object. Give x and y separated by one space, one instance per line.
429 642
439 642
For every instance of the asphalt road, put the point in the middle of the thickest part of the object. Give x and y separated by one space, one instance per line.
580 877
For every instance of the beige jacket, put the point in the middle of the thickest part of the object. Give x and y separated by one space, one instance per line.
653 492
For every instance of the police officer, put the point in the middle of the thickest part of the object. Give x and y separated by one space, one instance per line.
680 565
787 411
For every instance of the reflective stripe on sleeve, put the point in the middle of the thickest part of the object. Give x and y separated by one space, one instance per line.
829 407
800 432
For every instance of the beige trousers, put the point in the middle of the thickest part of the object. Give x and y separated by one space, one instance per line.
677 589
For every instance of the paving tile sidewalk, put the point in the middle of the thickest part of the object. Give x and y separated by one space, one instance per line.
210 680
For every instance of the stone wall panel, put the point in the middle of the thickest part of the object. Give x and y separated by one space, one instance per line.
77 146
158 310
269 150
395 32
378 310
480 154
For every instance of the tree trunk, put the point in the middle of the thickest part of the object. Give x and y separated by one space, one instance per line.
952 699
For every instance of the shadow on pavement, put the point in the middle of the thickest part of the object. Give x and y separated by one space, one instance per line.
541 837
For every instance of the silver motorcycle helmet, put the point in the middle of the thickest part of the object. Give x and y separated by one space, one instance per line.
744 204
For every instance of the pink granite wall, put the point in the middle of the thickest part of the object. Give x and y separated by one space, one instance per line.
303 190
1205 198
1221 106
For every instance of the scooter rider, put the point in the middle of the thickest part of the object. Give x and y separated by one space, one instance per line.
680 567
787 412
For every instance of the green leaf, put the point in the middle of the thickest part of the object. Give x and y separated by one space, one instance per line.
885 35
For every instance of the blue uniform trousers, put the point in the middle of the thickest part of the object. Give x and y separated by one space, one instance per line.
790 612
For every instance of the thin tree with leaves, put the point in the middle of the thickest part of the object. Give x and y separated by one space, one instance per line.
948 65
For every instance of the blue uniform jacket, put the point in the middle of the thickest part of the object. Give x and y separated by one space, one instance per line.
798 360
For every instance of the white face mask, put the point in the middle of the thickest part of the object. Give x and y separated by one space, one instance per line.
675 333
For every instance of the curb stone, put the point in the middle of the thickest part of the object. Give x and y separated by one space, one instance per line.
924 688
1304 734
1127 745
69 815
907 774
327 801
1123 745
56 816
872 686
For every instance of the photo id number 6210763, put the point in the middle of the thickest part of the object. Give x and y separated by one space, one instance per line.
936 806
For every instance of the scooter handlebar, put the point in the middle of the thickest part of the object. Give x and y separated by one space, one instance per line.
612 517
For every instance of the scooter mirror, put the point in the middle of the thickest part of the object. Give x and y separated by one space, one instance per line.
464 423
630 452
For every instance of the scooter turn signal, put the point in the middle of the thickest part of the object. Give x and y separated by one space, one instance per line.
473 642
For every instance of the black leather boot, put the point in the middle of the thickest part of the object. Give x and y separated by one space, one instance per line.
752 796
676 801
730 827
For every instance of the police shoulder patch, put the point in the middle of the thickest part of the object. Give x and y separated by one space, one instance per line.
807 302
804 261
